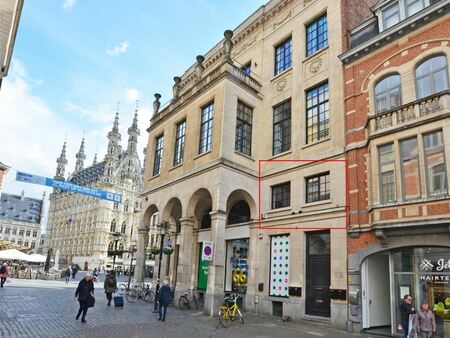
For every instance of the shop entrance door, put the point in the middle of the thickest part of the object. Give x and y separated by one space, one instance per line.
376 291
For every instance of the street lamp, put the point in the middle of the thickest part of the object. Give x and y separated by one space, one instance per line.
116 236
163 230
132 250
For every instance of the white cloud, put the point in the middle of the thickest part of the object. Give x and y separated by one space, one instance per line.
117 50
99 113
68 4
132 94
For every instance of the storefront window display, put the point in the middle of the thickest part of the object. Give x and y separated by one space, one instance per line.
424 273
236 267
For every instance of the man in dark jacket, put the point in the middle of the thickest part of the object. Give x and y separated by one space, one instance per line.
84 292
110 285
406 309
164 296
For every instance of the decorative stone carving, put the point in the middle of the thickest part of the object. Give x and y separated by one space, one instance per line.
281 84
315 65
276 24
156 104
246 45
176 87
199 68
228 45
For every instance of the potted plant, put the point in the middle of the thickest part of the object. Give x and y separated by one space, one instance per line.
168 250
154 250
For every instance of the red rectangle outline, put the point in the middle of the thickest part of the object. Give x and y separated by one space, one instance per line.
347 218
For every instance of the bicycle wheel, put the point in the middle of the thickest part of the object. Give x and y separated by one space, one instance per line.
240 316
183 303
224 317
132 296
149 296
122 289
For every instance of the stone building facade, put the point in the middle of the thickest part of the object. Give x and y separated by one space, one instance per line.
21 219
81 227
3 171
397 105
249 154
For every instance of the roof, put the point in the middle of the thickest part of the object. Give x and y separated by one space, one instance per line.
6 245
15 208
89 175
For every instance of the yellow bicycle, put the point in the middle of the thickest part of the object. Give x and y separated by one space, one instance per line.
229 311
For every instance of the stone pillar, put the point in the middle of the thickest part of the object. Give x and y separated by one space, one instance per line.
216 272
141 254
184 280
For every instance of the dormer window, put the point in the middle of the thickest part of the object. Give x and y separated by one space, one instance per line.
414 6
392 12
391 16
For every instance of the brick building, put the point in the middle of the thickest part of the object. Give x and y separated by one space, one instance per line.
397 127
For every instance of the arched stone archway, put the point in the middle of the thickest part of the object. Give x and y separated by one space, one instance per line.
240 203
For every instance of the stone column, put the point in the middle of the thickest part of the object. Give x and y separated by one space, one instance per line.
141 254
216 272
184 271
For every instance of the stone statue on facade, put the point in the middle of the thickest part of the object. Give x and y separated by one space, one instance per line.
228 45
156 104
176 87
199 68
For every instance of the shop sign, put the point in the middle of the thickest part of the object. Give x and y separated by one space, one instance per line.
202 281
431 269
207 251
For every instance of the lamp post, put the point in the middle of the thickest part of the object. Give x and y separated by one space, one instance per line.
131 251
163 230
116 236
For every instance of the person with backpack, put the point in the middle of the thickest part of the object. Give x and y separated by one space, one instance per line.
4 273
110 285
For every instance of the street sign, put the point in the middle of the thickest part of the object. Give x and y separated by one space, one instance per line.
207 251
67 186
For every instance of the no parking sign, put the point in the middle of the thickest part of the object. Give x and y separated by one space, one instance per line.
207 252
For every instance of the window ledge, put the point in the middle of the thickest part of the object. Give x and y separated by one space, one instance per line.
312 204
315 143
316 53
244 155
283 73
272 211
176 166
202 154
281 154
153 177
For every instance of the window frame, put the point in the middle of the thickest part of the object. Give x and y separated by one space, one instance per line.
317 117
388 92
380 173
383 13
158 154
180 139
319 192
240 121
428 75
206 127
407 5
280 67
430 152
402 159
286 132
317 46
284 195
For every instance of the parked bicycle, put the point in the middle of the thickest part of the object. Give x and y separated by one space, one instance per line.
122 288
140 292
187 299
229 311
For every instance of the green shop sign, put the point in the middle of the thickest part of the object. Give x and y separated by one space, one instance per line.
202 280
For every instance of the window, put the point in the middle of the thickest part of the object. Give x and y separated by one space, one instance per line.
387 93
283 56
116 206
14 232
33 245
113 226
410 169
239 213
317 116
179 143
281 195
123 229
34 233
28 233
391 16
435 163
318 188
387 173
26 243
316 35
19 241
158 155
431 76
206 128
244 118
236 275
21 232
13 240
247 68
7 230
414 6
281 128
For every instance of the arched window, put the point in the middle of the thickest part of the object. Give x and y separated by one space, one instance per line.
113 226
431 76
123 228
388 93
111 246
206 220
239 213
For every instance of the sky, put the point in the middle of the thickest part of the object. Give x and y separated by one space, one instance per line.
74 60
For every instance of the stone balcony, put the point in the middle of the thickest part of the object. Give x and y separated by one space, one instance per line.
433 107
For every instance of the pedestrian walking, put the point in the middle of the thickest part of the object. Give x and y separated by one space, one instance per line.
74 271
163 299
110 285
406 309
426 323
4 273
85 296
67 275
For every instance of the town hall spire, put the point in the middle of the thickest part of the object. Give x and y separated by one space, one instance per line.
62 162
80 156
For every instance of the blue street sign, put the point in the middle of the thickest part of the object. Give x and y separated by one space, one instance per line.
67 186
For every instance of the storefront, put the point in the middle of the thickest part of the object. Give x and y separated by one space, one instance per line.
236 269
422 272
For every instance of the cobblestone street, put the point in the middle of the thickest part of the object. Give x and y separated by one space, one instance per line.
35 308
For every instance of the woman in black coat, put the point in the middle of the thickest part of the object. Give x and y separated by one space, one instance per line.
84 291
163 297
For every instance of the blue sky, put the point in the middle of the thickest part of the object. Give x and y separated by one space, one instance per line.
74 59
